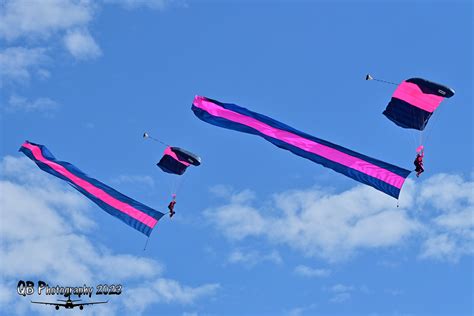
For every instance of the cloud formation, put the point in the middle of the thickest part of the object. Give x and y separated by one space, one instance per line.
319 223
17 103
81 45
19 64
309 272
27 19
253 257
32 29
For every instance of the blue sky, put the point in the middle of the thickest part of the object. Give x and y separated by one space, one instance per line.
258 231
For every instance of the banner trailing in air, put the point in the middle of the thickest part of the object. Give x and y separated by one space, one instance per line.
378 174
131 212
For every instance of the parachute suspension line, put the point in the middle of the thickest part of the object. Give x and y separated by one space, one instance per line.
433 124
388 82
421 137
177 184
411 138
369 77
414 139
146 136
146 243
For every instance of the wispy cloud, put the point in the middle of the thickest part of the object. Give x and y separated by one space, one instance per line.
317 223
35 31
43 23
309 272
253 257
81 45
450 200
335 226
26 18
300 310
341 293
166 291
18 64
44 105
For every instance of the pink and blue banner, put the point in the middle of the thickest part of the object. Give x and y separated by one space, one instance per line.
131 212
378 174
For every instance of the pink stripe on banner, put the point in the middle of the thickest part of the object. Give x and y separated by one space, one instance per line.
302 143
411 93
100 194
171 153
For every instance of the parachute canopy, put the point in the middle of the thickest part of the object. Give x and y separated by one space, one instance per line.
378 174
414 101
176 160
131 212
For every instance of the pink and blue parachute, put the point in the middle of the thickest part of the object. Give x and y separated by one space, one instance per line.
378 174
414 101
176 160
131 212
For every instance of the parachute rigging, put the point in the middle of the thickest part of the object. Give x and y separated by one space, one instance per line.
175 161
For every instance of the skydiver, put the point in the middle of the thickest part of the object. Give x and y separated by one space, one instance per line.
171 207
419 163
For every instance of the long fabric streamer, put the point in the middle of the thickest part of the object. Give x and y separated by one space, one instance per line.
131 212
383 176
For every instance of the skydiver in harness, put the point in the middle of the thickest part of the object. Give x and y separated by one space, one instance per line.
419 163
171 206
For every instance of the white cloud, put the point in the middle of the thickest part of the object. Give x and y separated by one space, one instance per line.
341 297
309 272
44 236
450 200
393 292
339 288
41 23
221 190
300 310
439 211
30 18
341 293
317 223
166 291
237 219
253 257
18 63
447 192
81 45
45 105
